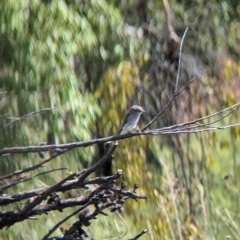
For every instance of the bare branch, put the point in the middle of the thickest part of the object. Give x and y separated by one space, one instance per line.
46 193
9 218
61 147
97 165
139 235
162 131
64 220
52 170
16 119
163 110
22 179
41 164
180 60
62 186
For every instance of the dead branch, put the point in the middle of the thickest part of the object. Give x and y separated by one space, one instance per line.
46 193
180 59
44 200
165 107
161 131
100 195
16 119
41 164
69 185
23 179
139 235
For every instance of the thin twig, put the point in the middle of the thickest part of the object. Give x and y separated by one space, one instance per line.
21 179
180 60
179 131
187 125
139 235
52 170
14 183
64 220
196 121
165 107
25 116
19 172
47 192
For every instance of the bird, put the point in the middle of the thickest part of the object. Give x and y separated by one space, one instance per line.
131 119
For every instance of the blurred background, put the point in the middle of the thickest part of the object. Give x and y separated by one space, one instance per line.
90 60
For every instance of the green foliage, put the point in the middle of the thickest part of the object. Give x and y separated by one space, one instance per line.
41 74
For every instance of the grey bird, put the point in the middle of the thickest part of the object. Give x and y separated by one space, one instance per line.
131 119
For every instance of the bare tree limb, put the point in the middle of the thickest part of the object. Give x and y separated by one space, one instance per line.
46 193
162 131
64 220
